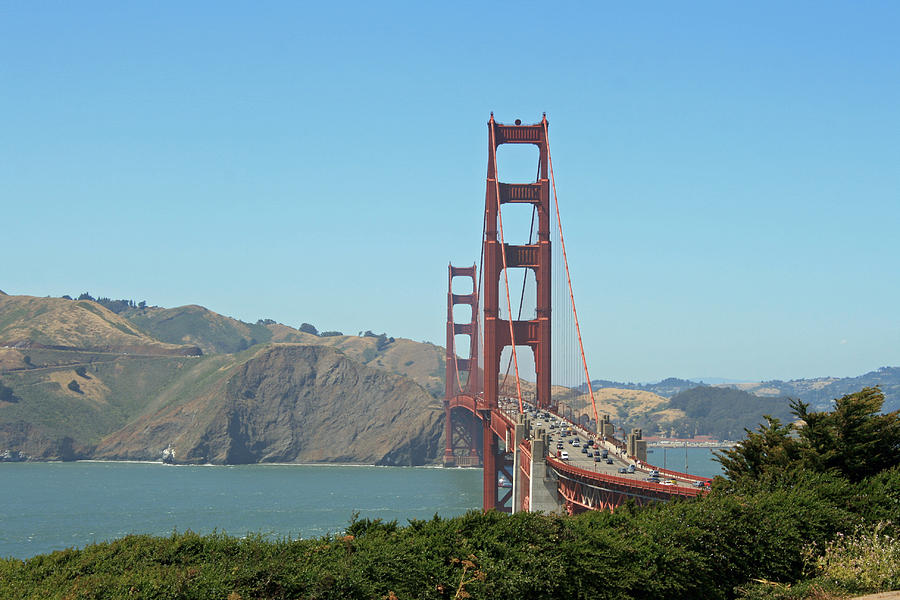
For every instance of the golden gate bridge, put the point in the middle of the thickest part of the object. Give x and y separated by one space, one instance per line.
495 417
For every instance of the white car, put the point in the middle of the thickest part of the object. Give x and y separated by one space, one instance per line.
563 455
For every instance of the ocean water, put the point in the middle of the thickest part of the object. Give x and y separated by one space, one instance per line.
53 506
696 461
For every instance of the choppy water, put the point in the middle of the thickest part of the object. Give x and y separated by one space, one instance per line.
52 506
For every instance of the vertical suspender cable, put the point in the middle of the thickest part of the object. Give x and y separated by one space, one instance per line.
562 244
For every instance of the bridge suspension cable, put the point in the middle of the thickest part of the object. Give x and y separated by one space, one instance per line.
562 244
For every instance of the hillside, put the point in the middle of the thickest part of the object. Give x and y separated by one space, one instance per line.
287 403
199 326
215 333
78 375
420 361
30 322
723 413
822 391
82 380
626 407
282 403
666 388
49 420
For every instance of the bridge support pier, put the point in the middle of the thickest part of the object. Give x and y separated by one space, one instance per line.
544 495
489 460
520 485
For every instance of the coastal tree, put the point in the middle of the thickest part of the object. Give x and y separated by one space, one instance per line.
770 447
853 441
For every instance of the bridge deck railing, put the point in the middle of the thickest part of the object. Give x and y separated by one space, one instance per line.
671 490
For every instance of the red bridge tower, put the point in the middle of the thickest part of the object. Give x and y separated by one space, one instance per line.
498 332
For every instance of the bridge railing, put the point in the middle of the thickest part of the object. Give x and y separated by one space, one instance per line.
676 474
670 490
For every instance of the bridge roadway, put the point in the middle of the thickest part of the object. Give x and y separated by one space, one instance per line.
581 460
574 485
584 482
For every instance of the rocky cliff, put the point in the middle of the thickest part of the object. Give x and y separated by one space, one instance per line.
291 403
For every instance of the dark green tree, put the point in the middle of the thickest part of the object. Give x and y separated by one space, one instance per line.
771 446
73 385
309 328
6 394
854 440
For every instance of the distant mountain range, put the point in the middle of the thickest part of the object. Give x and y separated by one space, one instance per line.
819 392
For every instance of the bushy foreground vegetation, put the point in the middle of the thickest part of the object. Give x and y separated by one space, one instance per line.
786 532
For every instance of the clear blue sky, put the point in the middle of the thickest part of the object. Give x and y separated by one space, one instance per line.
729 175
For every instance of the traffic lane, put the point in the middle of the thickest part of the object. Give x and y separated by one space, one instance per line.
581 460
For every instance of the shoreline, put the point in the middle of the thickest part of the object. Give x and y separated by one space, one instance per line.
690 444
260 464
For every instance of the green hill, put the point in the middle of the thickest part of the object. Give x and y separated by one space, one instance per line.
198 326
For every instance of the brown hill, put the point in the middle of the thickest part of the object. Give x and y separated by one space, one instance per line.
420 361
626 407
215 333
290 403
30 322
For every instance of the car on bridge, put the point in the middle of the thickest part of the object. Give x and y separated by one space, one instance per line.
563 455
